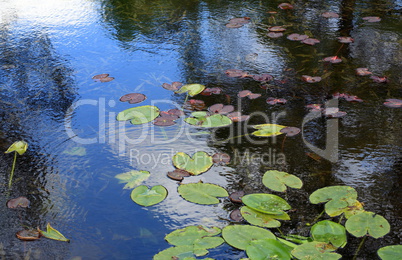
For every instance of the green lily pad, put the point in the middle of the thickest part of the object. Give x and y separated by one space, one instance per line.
190 234
266 203
202 193
53 234
177 253
132 178
277 181
139 115
201 245
390 252
367 223
202 119
267 249
315 250
329 232
261 219
266 130
77 151
337 199
148 197
240 236
19 146
192 89
199 163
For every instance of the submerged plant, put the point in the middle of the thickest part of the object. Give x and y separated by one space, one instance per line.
19 147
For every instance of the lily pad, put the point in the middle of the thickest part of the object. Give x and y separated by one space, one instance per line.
249 94
263 77
235 73
21 202
28 235
19 146
273 101
261 219
310 79
297 37
178 174
290 131
329 232
274 34
276 29
363 72
268 248
133 98
236 196
285 6
266 130
378 79
221 109
132 178
205 120
194 104
277 181
315 250
372 19
235 215
310 41
144 196
54 234
210 91
393 102
332 59
177 253
369 223
102 78
191 89
266 203
189 235
237 117
200 162
202 244
202 193
390 252
139 115
174 86
240 236
346 39
221 158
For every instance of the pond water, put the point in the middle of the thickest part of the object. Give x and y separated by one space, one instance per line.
49 52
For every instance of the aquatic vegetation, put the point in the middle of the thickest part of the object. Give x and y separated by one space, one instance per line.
53 233
202 193
277 180
204 119
200 162
132 178
19 147
104 77
28 235
265 130
174 86
266 203
221 158
139 115
393 102
310 79
249 94
178 174
144 196
390 252
20 202
372 19
133 98
191 89
363 72
238 22
240 236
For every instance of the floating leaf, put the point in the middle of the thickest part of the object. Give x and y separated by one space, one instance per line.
178 174
274 34
99 76
191 89
310 41
372 19
102 78
314 107
236 196
241 20
333 112
262 219
139 115
200 162
210 91
266 203
263 77
266 130
28 235
378 79
237 117
221 158
329 232
249 94
330 15
189 235
174 86
310 79
290 131
52 233
132 178
133 98
332 59
297 37
235 215
268 249
315 250
369 223
204 120
195 104
201 244
276 29
285 6
273 101
176 253
240 236
19 146
21 202
345 39
392 102
234 73
221 109
144 196
202 193
363 71
277 181
390 252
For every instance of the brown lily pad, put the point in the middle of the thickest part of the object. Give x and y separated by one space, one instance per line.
178 174
332 59
310 79
372 19
236 216
174 86
99 76
28 235
393 102
273 101
276 29
363 72
275 34
234 25
21 202
310 41
102 78
290 131
163 121
330 15
263 77
220 109
234 73
133 98
237 117
221 158
285 6
176 112
345 39
195 104
297 37
236 196
378 79
210 91
249 94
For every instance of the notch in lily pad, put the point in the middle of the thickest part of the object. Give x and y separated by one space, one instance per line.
277 180
367 223
200 162
144 196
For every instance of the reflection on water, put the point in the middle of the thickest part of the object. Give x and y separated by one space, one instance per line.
50 50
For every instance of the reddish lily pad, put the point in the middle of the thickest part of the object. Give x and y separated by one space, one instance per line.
347 97
310 41
195 104
234 25
234 73
378 79
21 202
276 29
345 39
332 59
363 72
394 103
314 107
178 174
275 34
285 6
235 215
221 158
273 101
236 196
263 77
164 121
290 131
238 22
310 79
102 78
237 117
210 91
372 19
174 86
133 98
28 235
220 109
297 37
249 94
99 76
333 112
176 112
330 15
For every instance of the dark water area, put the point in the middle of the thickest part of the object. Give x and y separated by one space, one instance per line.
49 52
